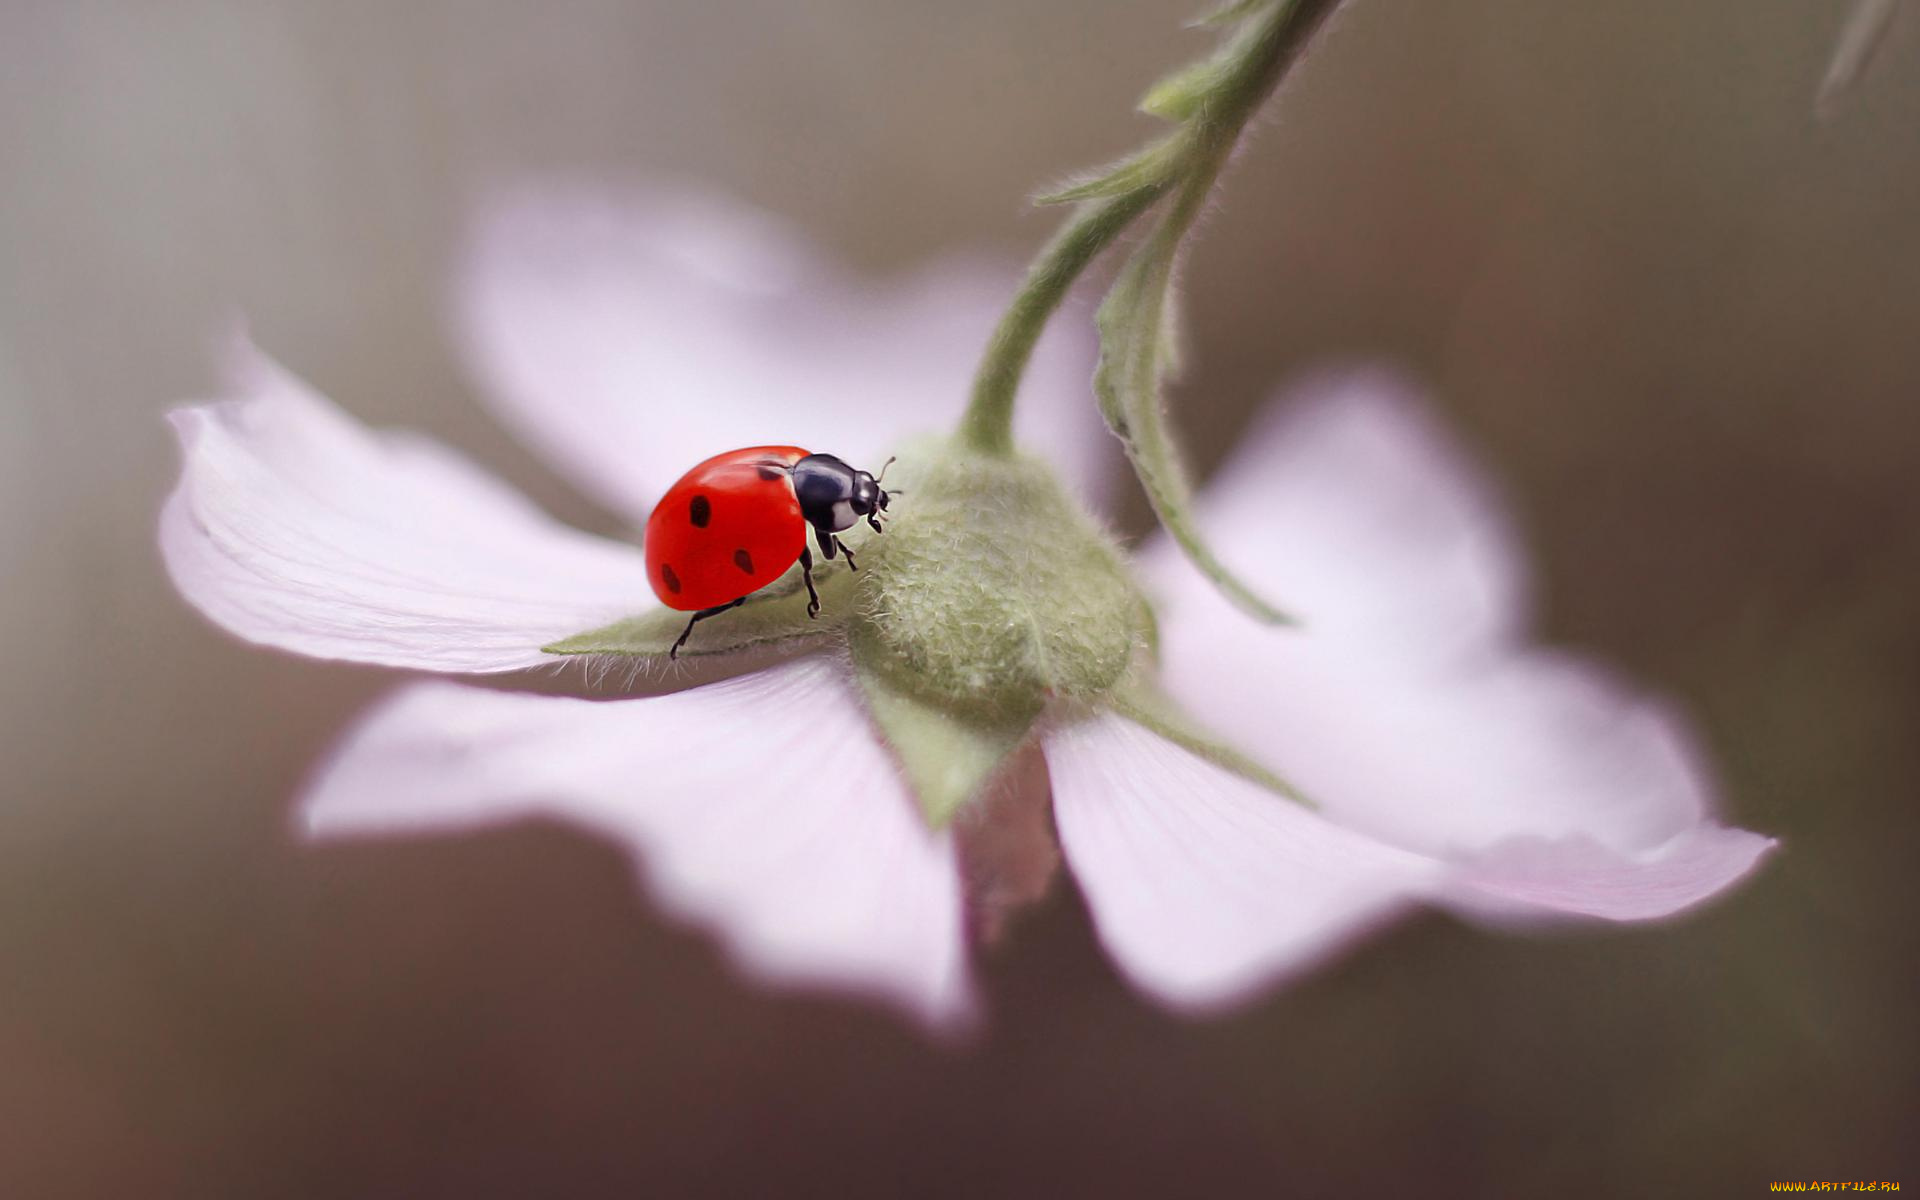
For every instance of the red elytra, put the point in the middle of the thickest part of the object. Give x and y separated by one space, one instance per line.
729 527
736 522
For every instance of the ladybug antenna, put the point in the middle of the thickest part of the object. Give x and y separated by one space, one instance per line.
883 468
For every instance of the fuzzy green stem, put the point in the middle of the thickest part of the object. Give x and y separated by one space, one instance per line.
988 423
1251 68
1187 166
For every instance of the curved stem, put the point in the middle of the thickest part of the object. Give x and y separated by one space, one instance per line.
1230 89
988 423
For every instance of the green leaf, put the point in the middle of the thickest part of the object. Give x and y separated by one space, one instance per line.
1152 709
947 758
1136 347
775 615
1145 171
1228 13
1186 91
1138 332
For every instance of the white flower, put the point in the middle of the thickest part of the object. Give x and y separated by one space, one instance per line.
628 339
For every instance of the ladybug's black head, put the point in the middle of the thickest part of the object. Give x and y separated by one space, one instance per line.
868 495
833 496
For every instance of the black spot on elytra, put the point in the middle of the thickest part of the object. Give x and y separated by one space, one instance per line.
699 511
743 560
670 579
767 472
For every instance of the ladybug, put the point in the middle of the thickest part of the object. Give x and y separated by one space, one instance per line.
737 521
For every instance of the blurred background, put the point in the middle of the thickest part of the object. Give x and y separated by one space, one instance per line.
1673 311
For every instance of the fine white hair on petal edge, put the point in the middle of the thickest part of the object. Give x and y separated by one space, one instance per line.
628 332
1205 888
293 526
811 872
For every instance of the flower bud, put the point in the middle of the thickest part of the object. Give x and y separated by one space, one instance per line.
993 591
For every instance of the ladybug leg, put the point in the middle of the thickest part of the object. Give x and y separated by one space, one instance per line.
826 539
851 565
806 574
698 617
873 519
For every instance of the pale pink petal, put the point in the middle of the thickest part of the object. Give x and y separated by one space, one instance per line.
763 807
1203 886
1448 763
1527 878
1349 507
630 333
1453 742
294 527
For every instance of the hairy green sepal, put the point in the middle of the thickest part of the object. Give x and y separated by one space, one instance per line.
776 615
990 594
1147 706
946 757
